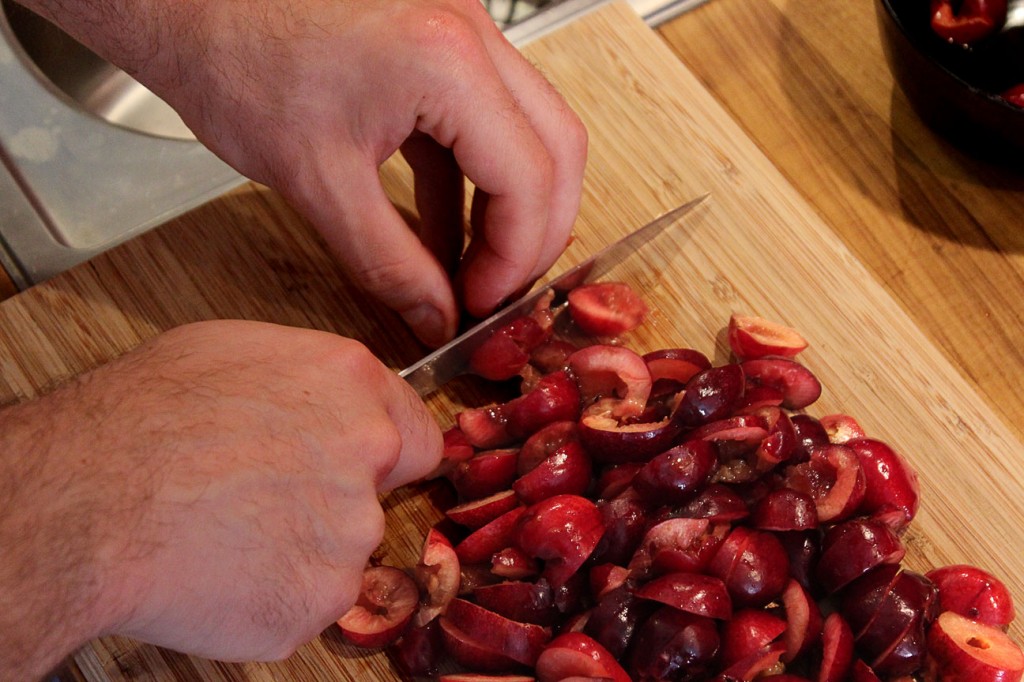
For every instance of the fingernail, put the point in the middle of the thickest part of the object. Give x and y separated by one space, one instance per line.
427 323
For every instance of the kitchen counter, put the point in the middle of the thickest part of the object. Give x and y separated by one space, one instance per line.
833 208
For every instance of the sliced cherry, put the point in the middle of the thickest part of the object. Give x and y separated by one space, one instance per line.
755 337
387 600
785 509
834 478
606 308
671 368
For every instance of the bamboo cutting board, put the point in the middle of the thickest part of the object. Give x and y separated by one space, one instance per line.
657 139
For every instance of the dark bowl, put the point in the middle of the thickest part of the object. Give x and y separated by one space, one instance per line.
955 89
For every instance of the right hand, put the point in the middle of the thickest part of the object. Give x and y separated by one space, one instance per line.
226 476
311 96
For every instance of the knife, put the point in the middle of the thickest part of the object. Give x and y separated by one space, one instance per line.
452 359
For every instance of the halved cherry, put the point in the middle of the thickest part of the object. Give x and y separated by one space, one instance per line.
505 352
717 503
673 644
387 600
785 509
754 566
804 621
962 649
841 428
702 595
485 474
754 337
562 531
544 442
477 513
673 367
854 547
834 478
974 593
681 539
466 650
608 439
526 602
566 471
576 654
419 651
837 649
606 577
711 395
485 427
555 397
798 385
513 563
676 475
616 372
625 521
437 575
614 619
747 635
521 642
552 355
606 308
892 489
478 546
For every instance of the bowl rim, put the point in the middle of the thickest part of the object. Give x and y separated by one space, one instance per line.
929 52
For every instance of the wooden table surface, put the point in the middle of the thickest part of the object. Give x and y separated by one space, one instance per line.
942 232
806 82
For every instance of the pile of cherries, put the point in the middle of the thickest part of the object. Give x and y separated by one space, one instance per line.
655 517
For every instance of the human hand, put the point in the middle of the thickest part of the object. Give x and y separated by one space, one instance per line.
311 96
214 492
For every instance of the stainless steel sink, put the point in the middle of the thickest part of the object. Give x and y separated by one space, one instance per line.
88 157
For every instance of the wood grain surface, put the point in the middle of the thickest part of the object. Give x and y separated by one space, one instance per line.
941 231
658 138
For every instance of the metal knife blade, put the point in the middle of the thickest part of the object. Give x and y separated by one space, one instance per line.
452 359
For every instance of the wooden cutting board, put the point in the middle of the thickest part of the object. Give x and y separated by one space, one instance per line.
657 139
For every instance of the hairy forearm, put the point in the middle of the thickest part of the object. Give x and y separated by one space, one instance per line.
137 35
49 581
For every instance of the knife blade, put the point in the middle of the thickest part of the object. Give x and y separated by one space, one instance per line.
452 359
